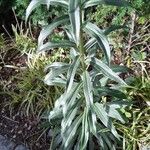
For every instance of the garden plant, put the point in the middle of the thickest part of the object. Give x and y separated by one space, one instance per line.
83 115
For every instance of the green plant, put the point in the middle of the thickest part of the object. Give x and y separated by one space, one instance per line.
29 91
23 40
92 99
135 132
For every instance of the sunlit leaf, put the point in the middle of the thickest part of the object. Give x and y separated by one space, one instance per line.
85 130
71 73
102 41
102 67
87 88
51 45
74 13
46 31
90 3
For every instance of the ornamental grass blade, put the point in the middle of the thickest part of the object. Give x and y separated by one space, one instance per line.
74 13
71 73
87 88
101 39
102 67
120 3
51 45
46 31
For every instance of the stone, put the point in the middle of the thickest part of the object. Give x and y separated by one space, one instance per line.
21 147
6 144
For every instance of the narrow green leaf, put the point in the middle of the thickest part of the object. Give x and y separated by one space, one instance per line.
92 121
100 66
55 114
67 120
87 88
102 41
63 3
57 81
53 77
85 130
69 98
74 13
57 65
112 112
51 45
46 31
103 91
104 118
35 3
71 73
101 113
121 69
69 135
90 44
113 28
121 3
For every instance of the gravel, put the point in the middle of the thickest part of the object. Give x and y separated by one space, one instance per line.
7 144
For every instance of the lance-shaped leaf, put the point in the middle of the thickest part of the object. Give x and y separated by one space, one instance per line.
70 97
90 44
85 130
92 121
69 135
69 33
113 28
58 81
63 3
53 77
102 41
102 67
74 13
87 88
66 122
35 3
103 91
58 65
71 73
112 112
90 3
51 45
104 118
46 31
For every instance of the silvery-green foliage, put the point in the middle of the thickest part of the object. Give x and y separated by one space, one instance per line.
80 111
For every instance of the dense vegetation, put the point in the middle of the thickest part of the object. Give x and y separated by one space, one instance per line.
77 73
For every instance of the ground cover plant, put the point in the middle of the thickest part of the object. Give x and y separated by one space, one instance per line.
92 99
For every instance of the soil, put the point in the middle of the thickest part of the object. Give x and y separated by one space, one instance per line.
26 130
